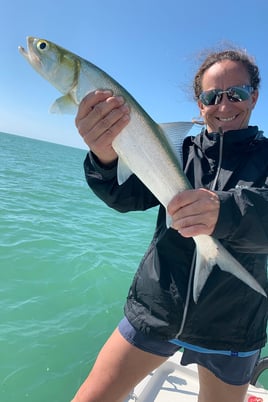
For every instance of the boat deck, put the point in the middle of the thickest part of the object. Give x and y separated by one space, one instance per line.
172 382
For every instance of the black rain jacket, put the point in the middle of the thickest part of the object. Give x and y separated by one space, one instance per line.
229 315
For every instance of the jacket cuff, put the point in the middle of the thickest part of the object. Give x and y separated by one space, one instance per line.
92 166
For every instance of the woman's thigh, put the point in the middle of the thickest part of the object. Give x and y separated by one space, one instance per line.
212 389
118 368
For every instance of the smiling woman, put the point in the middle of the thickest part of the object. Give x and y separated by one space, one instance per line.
239 85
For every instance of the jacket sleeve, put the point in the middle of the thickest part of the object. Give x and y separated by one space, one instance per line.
243 219
130 196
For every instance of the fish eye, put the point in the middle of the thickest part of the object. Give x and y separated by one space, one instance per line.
42 45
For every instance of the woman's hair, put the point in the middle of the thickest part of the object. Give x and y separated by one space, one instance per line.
233 55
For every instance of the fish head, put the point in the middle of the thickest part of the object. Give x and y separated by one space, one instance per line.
52 62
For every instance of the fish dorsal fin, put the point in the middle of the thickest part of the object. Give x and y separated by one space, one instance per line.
175 133
64 105
123 171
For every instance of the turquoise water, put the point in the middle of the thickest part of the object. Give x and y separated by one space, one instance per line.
66 262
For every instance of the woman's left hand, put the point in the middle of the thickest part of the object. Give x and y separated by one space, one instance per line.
194 212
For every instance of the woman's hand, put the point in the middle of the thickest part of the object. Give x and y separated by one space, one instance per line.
194 212
100 118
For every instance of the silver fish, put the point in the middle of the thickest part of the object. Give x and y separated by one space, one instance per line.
149 150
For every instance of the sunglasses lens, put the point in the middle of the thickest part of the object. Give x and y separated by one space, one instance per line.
212 97
234 94
239 94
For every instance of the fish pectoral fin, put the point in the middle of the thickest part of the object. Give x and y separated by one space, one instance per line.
175 133
123 171
64 105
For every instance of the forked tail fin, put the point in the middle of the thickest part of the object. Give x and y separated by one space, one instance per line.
210 252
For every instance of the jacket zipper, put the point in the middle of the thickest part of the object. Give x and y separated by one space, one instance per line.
221 133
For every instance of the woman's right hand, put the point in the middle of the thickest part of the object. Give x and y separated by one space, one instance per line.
100 118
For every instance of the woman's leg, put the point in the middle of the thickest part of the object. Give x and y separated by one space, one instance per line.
212 389
118 368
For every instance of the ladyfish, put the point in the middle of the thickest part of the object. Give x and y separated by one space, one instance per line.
149 150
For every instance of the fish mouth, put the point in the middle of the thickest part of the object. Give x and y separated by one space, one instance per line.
23 52
30 53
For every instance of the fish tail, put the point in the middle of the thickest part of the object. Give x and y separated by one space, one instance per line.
210 252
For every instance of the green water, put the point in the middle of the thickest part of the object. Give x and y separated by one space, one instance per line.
66 262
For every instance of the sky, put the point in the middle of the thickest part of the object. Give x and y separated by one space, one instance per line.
150 46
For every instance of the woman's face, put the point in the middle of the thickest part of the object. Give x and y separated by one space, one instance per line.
227 114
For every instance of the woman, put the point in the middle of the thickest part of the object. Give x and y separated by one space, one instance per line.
227 166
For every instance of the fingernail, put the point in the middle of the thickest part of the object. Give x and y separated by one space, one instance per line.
126 117
120 99
125 108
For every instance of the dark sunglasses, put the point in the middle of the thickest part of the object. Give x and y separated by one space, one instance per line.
234 94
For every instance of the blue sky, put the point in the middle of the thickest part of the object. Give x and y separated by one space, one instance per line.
149 46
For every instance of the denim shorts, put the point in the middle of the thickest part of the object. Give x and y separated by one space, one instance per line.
232 370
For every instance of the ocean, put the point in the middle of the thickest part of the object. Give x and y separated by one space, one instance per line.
66 263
